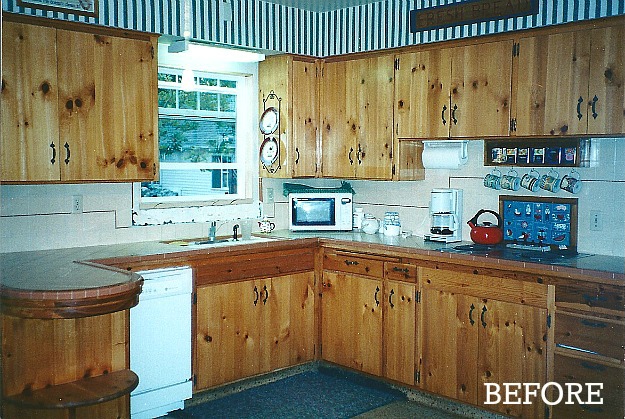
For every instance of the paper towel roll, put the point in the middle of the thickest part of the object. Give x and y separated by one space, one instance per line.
446 154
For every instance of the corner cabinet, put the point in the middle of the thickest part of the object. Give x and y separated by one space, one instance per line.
356 99
480 329
293 80
79 103
457 92
571 83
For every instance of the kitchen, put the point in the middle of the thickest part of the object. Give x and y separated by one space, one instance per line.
37 217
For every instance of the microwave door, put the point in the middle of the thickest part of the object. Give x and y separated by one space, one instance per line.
311 212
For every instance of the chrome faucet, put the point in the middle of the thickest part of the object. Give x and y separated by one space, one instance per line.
212 231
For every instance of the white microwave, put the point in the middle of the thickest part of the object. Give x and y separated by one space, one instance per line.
320 211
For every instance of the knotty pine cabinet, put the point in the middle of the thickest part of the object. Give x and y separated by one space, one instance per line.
454 92
570 83
252 327
78 104
294 80
479 329
356 109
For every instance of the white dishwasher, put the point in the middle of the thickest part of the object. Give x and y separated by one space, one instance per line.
160 342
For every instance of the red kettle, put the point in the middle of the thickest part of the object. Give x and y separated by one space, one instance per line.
485 233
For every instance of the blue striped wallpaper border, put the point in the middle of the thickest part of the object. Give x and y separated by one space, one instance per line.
262 25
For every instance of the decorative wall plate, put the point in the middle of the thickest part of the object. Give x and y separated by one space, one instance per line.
269 121
269 151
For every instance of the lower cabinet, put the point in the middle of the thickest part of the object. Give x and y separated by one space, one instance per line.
480 331
251 327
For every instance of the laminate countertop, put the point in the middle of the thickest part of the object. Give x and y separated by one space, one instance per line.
75 273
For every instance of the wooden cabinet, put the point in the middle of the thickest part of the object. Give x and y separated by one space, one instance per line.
479 329
293 80
589 338
454 92
251 327
356 98
570 83
78 105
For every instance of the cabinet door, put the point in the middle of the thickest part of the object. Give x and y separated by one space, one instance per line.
399 331
351 321
106 105
481 79
29 145
305 119
606 114
227 332
512 349
338 155
449 344
288 326
422 86
551 89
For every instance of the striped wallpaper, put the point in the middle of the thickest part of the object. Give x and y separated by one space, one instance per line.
263 25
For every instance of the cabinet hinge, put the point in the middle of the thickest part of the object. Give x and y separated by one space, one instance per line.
393 170
396 63
548 321
154 169
194 379
417 296
515 49
512 124
195 298
417 377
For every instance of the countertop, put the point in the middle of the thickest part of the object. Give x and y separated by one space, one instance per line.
74 273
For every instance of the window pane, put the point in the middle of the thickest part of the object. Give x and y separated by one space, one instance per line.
228 103
188 100
228 83
192 182
166 77
209 101
205 81
166 98
196 140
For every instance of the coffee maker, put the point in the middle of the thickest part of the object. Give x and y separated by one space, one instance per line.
445 215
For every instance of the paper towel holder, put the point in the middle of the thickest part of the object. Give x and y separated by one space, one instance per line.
458 147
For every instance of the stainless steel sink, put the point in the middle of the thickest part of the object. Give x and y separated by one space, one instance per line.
199 243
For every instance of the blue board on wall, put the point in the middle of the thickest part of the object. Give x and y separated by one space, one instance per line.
539 221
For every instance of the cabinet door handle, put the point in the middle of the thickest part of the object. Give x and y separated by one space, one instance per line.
579 107
589 323
67 153
453 115
266 294
351 262
359 154
484 310
256 296
595 367
443 114
53 147
349 156
390 298
594 107
297 154
398 269
471 315
375 296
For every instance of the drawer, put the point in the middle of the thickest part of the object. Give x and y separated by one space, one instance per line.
591 297
601 336
406 272
353 263
573 370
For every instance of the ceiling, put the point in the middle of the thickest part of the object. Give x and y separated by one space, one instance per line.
321 5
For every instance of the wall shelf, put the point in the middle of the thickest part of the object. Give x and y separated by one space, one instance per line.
540 152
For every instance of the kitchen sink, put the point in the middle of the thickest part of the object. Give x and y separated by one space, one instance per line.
202 243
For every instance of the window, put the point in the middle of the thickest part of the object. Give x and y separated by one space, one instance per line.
200 147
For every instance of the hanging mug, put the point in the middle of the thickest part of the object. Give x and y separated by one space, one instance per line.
550 182
529 180
572 182
511 180
493 179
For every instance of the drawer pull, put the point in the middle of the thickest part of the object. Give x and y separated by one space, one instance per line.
590 323
588 299
351 262
595 367
398 269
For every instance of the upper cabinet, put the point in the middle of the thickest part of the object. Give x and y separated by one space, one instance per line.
289 84
571 83
455 92
77 106
356 99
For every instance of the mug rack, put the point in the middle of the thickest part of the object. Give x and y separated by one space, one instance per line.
543 152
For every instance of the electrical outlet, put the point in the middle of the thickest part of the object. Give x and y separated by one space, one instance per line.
76 204
270 195
596 222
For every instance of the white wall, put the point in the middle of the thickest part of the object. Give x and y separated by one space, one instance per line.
603 189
